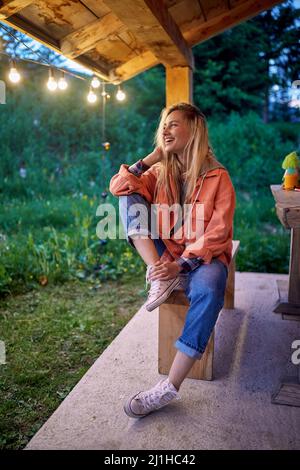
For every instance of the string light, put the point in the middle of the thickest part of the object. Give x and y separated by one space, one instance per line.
95 83
62 82
103 93
120 94
52 83
14 75
91 97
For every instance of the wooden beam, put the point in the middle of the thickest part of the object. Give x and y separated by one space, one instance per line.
216 25
84 39
101 69
179 85
134 66
154 27
10 7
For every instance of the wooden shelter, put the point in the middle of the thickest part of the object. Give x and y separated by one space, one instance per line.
118 39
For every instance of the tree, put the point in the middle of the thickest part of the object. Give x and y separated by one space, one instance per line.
236 71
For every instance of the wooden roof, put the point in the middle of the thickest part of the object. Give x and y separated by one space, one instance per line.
118 39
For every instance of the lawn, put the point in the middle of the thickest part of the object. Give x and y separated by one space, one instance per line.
52 336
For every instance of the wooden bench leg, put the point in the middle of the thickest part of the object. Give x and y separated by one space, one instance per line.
229 292
171 321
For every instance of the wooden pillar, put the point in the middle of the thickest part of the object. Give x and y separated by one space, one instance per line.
179 85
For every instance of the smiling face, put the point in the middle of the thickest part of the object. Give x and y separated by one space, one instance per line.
176 133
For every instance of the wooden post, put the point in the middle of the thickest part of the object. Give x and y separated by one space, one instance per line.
294 281
171 320
179 85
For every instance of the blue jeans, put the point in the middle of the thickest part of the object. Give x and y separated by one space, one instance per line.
204 286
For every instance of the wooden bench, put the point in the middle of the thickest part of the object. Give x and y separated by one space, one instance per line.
171 320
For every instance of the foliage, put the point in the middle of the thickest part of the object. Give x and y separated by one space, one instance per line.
48 220
236 70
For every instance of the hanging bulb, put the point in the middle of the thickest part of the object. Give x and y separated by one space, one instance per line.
62 82
52 83
14 75
107 96
103 93
95 83
91 97
106 145
120 94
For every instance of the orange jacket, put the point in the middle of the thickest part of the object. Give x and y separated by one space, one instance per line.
213 189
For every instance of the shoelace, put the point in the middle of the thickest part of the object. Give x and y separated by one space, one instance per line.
156 397
156 287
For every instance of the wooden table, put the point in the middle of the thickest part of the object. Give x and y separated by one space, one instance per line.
288 212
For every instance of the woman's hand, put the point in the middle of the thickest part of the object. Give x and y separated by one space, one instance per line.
153 157
164 270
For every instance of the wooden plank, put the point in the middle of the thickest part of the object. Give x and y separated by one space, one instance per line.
86 38
285 198
154 27
179 85
114 50
287 310
294 279
171 321
67 14
288 392
230 286
10 7
134 66
289 217
212 8
188 15
217 24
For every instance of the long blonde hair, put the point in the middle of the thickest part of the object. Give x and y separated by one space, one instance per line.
197 150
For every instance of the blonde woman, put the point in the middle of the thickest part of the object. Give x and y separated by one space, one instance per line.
182 172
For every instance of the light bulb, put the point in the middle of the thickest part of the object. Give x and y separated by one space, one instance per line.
95 83
52 83
62 83
91 97
120 95
14 75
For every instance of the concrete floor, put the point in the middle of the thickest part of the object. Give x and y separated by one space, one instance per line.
234 411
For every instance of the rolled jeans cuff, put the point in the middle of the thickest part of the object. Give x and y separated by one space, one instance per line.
184 348
136 224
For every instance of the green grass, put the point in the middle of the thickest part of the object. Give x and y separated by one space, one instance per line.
52 336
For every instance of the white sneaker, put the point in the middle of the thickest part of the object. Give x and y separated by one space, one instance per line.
143 403
183 282
159 290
